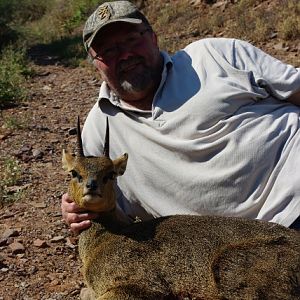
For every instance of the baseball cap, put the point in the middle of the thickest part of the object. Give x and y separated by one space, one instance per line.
107 13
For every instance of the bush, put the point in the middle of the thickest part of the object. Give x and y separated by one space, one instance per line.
10 175
13 70
15 15
61 19
7 34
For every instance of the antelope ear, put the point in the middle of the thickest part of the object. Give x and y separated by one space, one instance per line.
67 160
120 164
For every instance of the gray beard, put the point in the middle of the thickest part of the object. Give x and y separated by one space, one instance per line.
138 83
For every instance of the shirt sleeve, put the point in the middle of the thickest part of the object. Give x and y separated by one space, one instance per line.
277 78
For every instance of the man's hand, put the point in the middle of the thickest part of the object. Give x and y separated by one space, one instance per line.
77 218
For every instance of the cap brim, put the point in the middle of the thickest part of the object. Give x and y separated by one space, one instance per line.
89 41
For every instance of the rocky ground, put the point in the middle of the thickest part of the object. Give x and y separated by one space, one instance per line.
38 255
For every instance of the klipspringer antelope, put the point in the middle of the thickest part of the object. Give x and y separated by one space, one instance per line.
176 257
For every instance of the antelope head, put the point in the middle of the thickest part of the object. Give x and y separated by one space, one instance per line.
92 182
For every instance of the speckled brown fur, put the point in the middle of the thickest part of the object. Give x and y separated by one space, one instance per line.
189 257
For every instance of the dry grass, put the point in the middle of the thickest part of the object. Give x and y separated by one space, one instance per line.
289 28
257 21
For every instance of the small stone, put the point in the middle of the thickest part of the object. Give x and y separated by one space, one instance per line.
39 204
10 240
37 153
72 256
47 88
61 276
2 262
4 270
17 248
57 239
51 276
17 188
3 242
55 282
281 46
221 5
70 243
40 243
8 215
24 284
3 136
195 2
33 270
10 233
25 148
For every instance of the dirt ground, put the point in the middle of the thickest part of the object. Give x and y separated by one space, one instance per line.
38 255
45 265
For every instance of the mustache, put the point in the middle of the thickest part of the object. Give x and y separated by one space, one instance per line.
124 64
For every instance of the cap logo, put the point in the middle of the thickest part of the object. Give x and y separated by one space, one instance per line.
104 12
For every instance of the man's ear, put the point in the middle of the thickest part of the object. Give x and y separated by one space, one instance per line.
120 164
154 38
67 160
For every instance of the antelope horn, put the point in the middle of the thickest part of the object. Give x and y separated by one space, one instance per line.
106 144
79 140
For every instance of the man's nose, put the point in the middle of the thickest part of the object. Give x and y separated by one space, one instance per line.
124 52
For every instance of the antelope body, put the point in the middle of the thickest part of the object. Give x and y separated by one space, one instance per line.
177 257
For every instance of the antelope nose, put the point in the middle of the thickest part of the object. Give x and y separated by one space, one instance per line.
91 184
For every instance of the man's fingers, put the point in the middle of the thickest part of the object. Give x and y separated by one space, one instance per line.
77 218
68 205
65 198
78 227
73 208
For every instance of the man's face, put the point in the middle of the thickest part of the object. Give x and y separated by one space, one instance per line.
128 59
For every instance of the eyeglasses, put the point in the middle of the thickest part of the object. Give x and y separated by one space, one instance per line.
110 52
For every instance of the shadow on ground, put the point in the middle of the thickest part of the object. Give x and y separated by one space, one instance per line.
66 52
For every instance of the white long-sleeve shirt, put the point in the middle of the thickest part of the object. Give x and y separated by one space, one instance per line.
220 139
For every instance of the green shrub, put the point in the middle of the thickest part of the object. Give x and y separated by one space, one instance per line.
11 172
15 15
79 10
10 175
7 34
61 19
15 123
13 70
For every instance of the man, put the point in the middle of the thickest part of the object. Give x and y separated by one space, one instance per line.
214 129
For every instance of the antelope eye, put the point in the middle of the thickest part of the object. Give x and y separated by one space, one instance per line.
74 173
